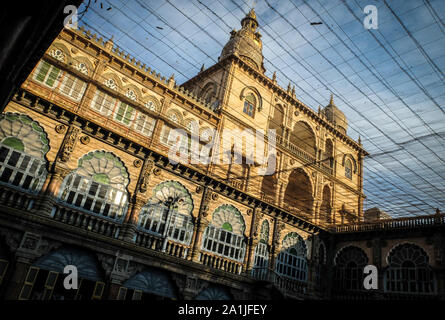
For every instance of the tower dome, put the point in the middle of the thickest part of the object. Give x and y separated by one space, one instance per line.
246 43
336 116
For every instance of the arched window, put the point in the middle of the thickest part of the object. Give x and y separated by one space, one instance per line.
168 213
225 235
409 271
349 265
291 261
261 259
249 105
98 185
23 146
348 169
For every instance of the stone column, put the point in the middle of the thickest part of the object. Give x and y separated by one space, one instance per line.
202 225
253 242
192 241
44 203
131 219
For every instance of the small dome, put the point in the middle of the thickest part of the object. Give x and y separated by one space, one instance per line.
336 116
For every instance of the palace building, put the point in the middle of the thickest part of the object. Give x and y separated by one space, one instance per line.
85 180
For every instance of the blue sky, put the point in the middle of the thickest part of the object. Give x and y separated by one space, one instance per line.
389 82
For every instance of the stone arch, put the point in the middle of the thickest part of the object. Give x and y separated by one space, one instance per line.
229 218
153 281
303 136
214 292
256 93
87 264
298 193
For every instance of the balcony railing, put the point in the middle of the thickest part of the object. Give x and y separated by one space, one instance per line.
85 221
287 286
295 150
400 223
220 263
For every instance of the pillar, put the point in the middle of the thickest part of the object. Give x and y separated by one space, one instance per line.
202 225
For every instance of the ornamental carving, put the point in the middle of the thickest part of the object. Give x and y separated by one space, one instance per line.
146 171
207 196
60 128
277 234
85 140
69 144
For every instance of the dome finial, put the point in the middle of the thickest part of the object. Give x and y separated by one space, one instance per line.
331 101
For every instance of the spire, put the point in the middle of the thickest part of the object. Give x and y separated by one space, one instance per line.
274 77
202 68
331 101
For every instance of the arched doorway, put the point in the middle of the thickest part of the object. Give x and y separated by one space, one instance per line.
298 192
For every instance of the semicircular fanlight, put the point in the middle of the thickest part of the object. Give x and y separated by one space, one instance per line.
174 192
104 167
20 132
228 217
293 241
